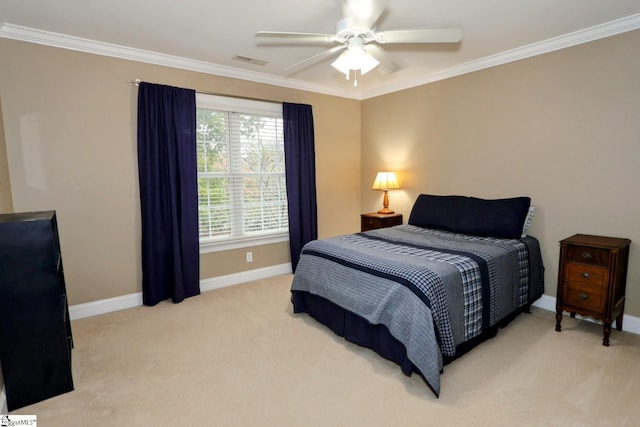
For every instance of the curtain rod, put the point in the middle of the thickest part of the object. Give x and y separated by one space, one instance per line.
138 81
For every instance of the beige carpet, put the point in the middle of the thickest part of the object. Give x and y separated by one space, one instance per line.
239 357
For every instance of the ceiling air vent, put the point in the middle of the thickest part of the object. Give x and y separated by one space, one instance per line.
248 60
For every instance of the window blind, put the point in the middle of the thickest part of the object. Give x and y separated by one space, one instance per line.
241 175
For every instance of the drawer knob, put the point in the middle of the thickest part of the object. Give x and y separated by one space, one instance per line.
586 255
583 296
586 275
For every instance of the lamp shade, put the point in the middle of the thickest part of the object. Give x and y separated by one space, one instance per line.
355 58
385 181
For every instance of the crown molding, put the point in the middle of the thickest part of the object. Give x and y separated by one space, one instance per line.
628 23
32 35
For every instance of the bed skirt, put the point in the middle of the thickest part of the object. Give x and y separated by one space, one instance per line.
359 331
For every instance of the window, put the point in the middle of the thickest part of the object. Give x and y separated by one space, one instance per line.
242 195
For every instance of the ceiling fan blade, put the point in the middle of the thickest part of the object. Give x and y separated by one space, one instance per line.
305 37
365 13
451 35
317 57
386 65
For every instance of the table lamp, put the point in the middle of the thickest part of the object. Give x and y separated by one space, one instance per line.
385 181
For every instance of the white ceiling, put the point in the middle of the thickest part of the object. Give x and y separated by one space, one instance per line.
206 35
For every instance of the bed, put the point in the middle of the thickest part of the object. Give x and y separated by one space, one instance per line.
424 293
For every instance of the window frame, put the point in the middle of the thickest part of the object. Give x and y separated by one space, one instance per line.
228 104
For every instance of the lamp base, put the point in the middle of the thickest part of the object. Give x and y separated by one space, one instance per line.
385 211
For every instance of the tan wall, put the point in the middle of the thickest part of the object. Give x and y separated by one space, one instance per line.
562 127
70 127
6 203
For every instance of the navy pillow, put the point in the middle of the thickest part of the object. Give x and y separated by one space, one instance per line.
495 218
439 212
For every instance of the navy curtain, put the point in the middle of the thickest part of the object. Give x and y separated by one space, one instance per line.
167 170
300 166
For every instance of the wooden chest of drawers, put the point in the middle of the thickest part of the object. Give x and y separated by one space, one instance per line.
592 279
373 221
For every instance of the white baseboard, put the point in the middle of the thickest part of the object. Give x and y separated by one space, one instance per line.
629 323
108 305
546 302
79 311
245 276
103 306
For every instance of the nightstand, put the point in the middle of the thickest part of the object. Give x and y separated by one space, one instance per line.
592 278
374 220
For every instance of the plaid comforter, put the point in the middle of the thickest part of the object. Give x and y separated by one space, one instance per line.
432 289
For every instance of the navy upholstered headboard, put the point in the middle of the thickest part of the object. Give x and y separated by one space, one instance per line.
470 215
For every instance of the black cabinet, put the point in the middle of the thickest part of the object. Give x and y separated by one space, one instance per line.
35 330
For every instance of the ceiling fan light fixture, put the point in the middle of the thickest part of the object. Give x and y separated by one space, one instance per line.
357 59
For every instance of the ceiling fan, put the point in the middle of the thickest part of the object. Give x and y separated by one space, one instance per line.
356 34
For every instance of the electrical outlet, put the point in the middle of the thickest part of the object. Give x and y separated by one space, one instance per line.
249 256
